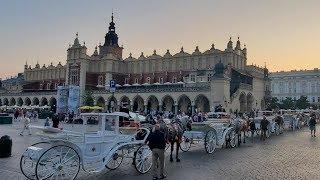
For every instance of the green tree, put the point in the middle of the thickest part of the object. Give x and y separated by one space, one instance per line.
303 103
288 103
88 98
274 103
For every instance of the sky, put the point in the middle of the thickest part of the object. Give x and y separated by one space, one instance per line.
284 34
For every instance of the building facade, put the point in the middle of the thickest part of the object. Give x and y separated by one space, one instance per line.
178 82
295 84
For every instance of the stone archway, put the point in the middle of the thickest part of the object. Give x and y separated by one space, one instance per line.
112 104
184 105
138 104
250 101
6 101
201 103
44 102
19 101
12 102
27 101
168 104
53 104
125 102
243 102
152 104
101 102
35 101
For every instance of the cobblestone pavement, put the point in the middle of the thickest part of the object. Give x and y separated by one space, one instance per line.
292 155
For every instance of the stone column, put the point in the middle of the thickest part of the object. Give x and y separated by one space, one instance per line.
145 108
192 109
175 109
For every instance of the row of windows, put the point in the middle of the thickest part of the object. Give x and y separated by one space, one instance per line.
311 99
148 81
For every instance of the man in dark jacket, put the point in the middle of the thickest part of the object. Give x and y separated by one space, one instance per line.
312 125
264 128
157 143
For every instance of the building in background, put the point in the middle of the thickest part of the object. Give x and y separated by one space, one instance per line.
13 84
294 84
177 82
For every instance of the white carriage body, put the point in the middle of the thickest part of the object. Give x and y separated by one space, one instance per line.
213 131
100 138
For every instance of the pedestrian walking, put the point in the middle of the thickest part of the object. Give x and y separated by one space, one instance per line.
252 125
264 128
26 126
157 143
312 125
47 123
55 121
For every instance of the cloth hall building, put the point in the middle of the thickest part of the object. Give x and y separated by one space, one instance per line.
177 82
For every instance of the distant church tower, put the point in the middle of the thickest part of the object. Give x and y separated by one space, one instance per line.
111 45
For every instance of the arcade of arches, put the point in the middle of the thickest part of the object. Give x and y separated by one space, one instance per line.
139 103
19 101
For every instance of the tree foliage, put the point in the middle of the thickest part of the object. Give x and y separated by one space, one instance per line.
288 103
274 103
302 103
88 98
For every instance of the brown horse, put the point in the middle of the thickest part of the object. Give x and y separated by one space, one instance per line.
174 131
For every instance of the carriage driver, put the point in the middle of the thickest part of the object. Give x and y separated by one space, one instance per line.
157 143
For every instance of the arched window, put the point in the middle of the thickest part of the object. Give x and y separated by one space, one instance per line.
136 81
100 80
174 80
126 81
148 80
161 80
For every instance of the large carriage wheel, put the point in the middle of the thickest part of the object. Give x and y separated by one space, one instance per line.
27 165
268 132
115 160
143 159
233 137
185 144
277 129
210 141
58 162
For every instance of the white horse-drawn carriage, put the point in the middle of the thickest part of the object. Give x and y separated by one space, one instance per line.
214 132
273 126
97 146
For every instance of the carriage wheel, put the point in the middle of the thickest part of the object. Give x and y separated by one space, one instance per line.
277 129
210 141
27 165
233 139
58 162
143 159
268 133
115 160
185 144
